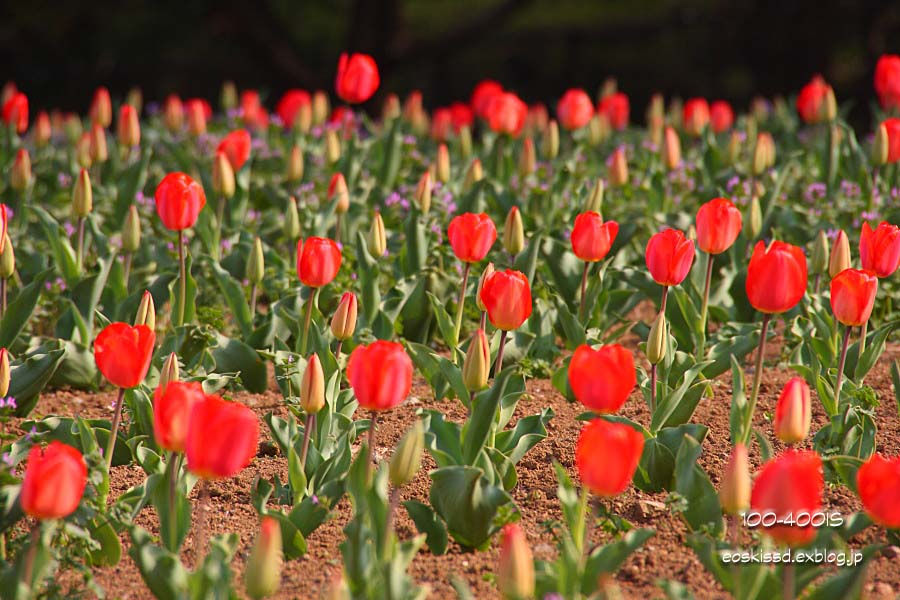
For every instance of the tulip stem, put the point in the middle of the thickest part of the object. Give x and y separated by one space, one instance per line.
127 266
28 568
864 331
705 308
307 431
337 350
370 450
460 305
483 318
757 378
114 429
220 216
788 575
253 293
79 250
172 469
584 277
585 511
652 390
839 381
2 296
306 320
202 508
182 279
665 297
816 283
499 364
337 228
874 193
735 569
393 501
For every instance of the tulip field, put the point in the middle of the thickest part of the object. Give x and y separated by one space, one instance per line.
366 347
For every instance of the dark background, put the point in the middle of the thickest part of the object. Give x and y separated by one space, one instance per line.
58 52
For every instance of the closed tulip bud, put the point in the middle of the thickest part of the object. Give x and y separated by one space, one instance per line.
617 168
390 110
99 152
101 107
829 106
818 260
550 144
72 127
135 99
655 129
43 130
320 107
228 97
477 365
793 412
598 129
343 323
515 573
672 148
760 155
337 589
223 176
338 193
4 372
21 171
312 386
474 174
377 240
262 575
294 167
129 129
291 225
610 86
656 110
131 231
7 259
83 150
488 271
527 158
754 218
443 164
170 371
657 340
173 113
734 147
734 493
880 146
423 193
513 232
146 312
595 198
196 118
840 255
82 195
256 263
407 458
54 481
332 147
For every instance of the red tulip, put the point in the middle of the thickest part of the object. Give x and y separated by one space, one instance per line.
4 224
15 112
482 96
695 116
172 407
607 455
471 236
721 117
357 78
615 108
506 114
574 109
101 107
236 146
198 112
878 483
669 256
179 199
892 127
786 486
129 129
602 379
879 250
461 115
380 374
506 296
251 107
853 296
592 238
123 353
718 225
289 106
318 261
776 277
793 412
173 112
811 100
55 478
221 438
441 124
887 81
537 118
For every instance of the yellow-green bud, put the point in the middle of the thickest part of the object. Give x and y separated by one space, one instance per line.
423 193
223 176
229 96
734 147
488 271
676 109
262 575
170 371
880 146
320 107
692 232
294 170
99 151
131 231
292 220
7 259
73 128
550 143
527 158
256 263
337 588
146 312
377 241
343 323
83 150
513 232
443 164
474 174
21 171
465 141
617 173
82 195
840 255
4 372
818 260
312 386
657 340
390 110
136 99
332 147
734 493
610 86
760 155
339 194
407 458
829 107
477 365
595 198
754 219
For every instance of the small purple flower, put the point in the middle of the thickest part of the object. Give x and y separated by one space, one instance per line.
64 179
69 229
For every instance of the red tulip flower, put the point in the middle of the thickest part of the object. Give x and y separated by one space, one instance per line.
892 126
574 109
878 483
602 379
537 118
289 106
471 236
506 114
15 112
718 225
172 408
879 249
4 224
222 438
793 412
236 146
811 100
441 124
318 261
776 277
129 128
54 482
461 116
101 107
482 95
695 116
380 375
606 456
179 200
123 353
357 78
786 486
721 116
506 296
887 81
669 257
853 296
615 108
592 238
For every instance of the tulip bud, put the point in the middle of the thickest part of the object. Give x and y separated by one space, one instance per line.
4 372
610 86
146 312
21 171
656 128
262 575
256 263
343 323
169 372
407 458
131 231
390 110
598 129
595 199
337 589
829 106
550 145
656 110
760 155
474 174
513 232
672 148
129 129
676 109
7 259
477 364
294 170
840 254
793 412
691 233
291 224
443 164
734 493
43 131
754 219
880 146
312 386
515 573
377 241
223 175
818 261
135 99
82 195
734 147
657 340
173 114
320 107
338 193
98 149
83 150
465 141
228 98
72 127
618 168
332 147
196 118
488 271
423 193
527 158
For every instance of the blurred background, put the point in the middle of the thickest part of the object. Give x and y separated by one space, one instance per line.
58 52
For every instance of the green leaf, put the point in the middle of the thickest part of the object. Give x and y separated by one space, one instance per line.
19 310
692 483
28 377
110 551
232 355
469 505
609 557
678 407
444 321
427 522
190 294
161 570
484 411
233 293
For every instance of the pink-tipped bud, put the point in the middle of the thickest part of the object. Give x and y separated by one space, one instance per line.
515 573
343 323
262 576
793 412
734 493
312 386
